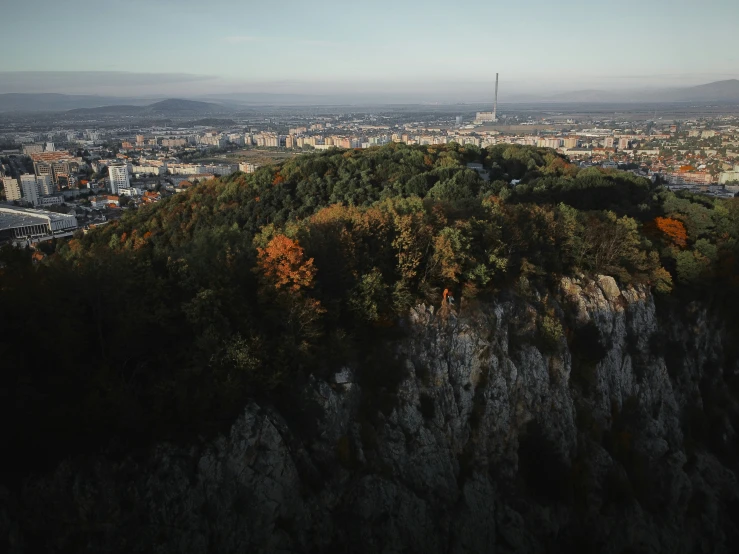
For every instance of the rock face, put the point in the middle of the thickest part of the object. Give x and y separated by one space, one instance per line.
578 422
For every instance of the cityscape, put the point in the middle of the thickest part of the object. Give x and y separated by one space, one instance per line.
87 173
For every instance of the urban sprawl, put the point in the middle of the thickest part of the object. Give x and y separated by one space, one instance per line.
56 181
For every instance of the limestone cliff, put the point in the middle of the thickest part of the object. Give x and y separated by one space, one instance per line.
578 422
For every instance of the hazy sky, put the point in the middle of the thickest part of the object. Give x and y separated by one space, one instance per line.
319 46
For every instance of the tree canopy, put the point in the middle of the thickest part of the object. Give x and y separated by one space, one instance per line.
166 318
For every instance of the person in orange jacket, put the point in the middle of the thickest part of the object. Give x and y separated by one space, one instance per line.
448 298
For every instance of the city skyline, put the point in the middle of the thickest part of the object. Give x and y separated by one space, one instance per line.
220 47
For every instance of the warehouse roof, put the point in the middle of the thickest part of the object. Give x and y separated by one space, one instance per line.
12 217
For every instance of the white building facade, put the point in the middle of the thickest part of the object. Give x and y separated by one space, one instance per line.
118 175
29 189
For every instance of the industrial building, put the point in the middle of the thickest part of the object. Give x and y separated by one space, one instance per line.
490 117
26 223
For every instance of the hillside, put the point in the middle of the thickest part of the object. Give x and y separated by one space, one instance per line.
266 362
50 102
719 91
176 106
167 108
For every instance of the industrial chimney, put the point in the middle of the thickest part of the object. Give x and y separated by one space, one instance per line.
495 106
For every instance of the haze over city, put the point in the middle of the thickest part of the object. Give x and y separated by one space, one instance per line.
412 50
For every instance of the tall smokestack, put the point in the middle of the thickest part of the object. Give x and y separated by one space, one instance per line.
495 106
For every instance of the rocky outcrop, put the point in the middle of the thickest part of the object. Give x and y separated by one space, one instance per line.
568 422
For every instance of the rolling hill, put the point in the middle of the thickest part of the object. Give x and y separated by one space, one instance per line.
172 107
719 91
52 102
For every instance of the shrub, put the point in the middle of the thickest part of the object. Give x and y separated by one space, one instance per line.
551 333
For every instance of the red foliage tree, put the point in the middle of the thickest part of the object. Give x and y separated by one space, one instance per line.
673 229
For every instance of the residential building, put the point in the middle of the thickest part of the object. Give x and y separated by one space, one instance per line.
690 178
29 149
130 191
218 141
174 142
223 169
236 138
45 185
726 176
62 171
118 176
51 156
104 201
29 189
158 169
55 199
12 190
549 142
43 168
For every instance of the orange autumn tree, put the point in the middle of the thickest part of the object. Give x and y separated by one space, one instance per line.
286 272
672 229
284 266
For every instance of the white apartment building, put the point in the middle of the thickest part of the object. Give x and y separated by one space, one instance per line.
118 175
155 169
29 149
725 177
236 139
218 141
29 189
185 169
224 169
45 185
12 190
549 142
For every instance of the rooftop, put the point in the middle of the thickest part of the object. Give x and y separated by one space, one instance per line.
12 216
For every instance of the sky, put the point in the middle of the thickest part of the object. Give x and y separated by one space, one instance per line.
145 47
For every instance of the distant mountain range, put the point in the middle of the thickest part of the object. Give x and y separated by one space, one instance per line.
719 91
172 107
51 102
78 105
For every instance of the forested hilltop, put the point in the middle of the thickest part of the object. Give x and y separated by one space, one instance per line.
159 325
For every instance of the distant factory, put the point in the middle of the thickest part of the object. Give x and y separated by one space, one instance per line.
490 117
